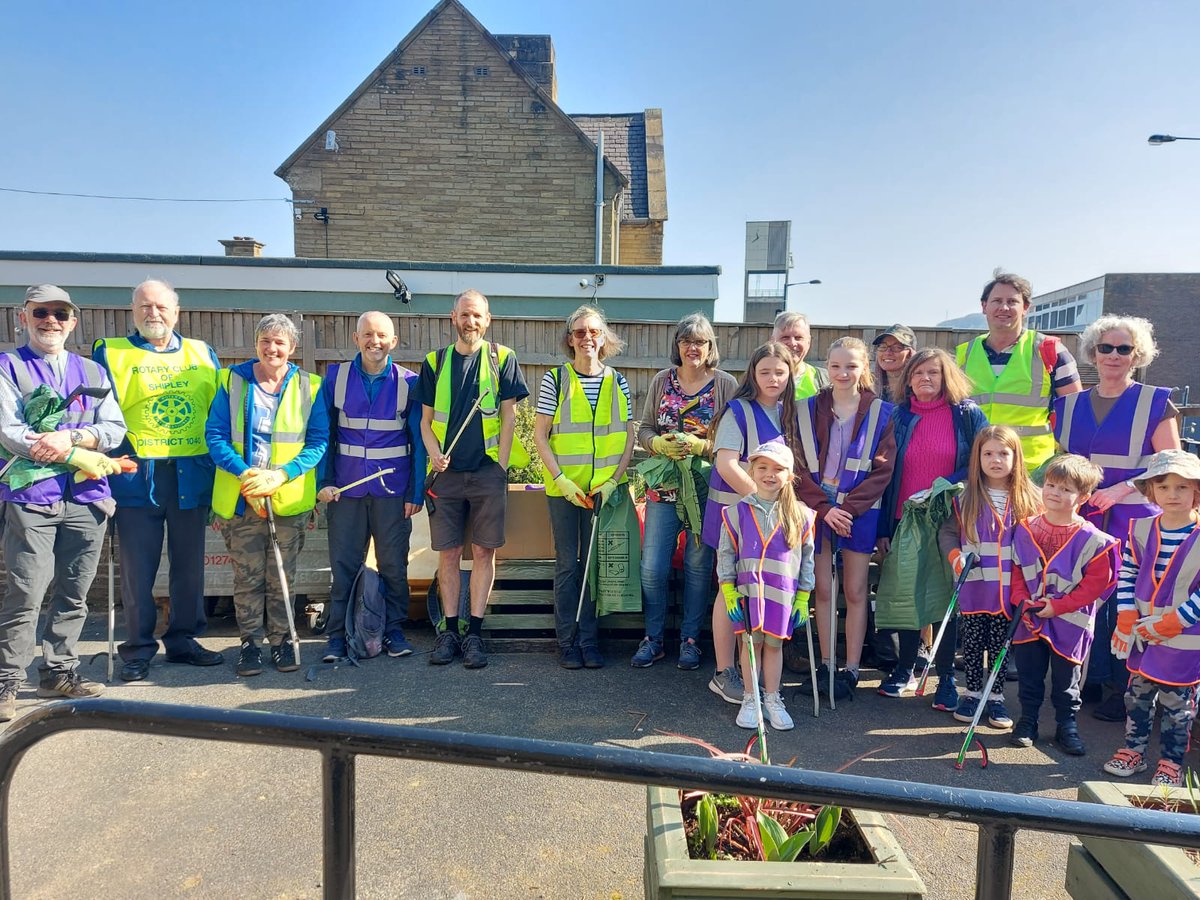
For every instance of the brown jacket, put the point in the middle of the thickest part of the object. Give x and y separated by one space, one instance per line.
863 497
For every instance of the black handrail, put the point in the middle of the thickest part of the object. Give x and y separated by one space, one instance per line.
998 815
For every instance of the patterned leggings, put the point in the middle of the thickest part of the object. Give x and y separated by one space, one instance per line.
1178 712
980 633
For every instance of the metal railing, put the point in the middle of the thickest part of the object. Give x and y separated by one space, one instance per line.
998 815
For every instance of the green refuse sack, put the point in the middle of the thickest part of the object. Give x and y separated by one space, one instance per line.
43 411
916 581
615 577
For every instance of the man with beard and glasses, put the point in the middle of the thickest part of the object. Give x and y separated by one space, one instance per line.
165 384
471 478
54 519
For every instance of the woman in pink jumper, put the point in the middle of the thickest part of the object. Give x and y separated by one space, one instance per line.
935 425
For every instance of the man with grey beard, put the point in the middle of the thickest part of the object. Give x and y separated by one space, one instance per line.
164 383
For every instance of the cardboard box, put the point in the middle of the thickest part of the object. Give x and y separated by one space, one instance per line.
527 532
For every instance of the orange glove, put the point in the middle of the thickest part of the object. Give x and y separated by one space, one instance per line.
954 557
1122 635
1157 629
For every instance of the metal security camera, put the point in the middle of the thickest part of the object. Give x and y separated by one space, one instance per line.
584 283
399 289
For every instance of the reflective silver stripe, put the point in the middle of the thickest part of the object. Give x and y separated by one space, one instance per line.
1068 418
574 459
1030 430
1079 619
1183 642
807 443
603 462
358 452
339 386
727 498
355 422
237 398
772 566
25 385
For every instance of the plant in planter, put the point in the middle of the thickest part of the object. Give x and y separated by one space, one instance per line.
1103 867
702 844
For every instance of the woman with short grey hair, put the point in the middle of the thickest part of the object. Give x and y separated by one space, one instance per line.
1118 424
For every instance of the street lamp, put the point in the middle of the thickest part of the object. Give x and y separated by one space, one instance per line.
794 284
1156 140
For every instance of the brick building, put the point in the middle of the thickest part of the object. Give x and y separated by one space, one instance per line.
454 148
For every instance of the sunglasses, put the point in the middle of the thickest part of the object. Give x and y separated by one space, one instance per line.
63 315
581 333
1105 349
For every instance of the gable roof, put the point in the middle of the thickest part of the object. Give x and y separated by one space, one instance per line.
379 70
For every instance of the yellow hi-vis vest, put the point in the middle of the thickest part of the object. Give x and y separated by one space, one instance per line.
1018 397
164 397
489 409
588 447
806 384
287 440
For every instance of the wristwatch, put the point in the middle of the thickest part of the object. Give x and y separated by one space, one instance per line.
76 437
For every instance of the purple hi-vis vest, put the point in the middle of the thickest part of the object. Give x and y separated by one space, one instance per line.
989 583
1121 445
371 436
1176 661
859 459
767 568
1069 634
757 428
27 371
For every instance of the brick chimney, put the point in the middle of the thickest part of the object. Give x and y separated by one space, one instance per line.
535 53
242 246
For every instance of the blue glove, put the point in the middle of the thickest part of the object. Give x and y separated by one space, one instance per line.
733 603
800 609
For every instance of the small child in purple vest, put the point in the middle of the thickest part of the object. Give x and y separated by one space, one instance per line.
1158 618
1062 566
765 567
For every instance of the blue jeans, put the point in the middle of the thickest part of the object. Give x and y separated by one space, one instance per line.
658 546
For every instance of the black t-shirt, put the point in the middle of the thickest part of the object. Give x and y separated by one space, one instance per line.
468 453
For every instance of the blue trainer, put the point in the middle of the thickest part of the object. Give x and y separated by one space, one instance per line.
899 683
946 696
335 649
395 644
997 715
967 705
689 655
648 653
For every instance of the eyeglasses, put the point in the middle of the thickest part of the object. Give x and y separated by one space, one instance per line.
694 345
581 333
63 315
891 348
1105 349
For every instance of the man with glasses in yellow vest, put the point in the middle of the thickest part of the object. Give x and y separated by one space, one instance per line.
791 329
164 383
469 393
1017 373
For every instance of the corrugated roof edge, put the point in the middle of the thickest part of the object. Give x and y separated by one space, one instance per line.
318 263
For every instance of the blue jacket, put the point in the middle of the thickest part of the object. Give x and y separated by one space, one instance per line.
968 420
195 472
218 429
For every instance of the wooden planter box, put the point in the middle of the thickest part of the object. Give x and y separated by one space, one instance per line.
671 875
1140 871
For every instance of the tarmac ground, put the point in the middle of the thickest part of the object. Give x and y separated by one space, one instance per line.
104 814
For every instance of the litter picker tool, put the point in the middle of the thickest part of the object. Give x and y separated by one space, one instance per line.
112 601
969 561
587 567
748 636
987 690
380 474
283 584
450 449
812 665
834 590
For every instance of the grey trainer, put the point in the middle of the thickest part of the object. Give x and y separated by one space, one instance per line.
727 684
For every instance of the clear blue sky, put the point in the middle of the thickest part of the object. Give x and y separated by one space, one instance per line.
915 145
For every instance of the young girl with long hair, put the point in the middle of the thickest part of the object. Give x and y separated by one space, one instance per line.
762 409
998 495
848 450
765 567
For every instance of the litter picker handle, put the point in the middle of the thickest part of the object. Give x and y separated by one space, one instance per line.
969 562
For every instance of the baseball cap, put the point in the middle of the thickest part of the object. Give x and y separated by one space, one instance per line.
776 452
50 293
902 333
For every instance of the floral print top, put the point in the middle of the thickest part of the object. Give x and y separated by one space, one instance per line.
689 413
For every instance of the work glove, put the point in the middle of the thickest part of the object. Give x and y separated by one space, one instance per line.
666 445
733 602
1156 629
955 558
572 492
800 609
259 505
695 446
265 483
606 490
1122 635
91 464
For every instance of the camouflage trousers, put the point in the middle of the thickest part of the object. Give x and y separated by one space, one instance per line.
1178 712
256 587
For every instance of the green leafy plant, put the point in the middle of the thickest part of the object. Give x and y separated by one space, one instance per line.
707 818
535 472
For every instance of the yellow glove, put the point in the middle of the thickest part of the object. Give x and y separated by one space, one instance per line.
572 492
259 505
264 483
695 446
91 464
800 609
605 491
733 602
666 445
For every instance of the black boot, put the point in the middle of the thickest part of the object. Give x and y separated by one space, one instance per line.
1025 734
1068 740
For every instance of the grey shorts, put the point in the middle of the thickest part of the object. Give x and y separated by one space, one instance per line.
481 495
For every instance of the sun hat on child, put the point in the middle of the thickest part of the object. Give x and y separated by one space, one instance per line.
1168 462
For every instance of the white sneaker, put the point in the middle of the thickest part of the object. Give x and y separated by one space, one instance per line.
747 717
777 713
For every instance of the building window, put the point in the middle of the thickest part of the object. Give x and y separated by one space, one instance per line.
483 71
418 70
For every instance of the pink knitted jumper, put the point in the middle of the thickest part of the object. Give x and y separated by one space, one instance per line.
931 449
